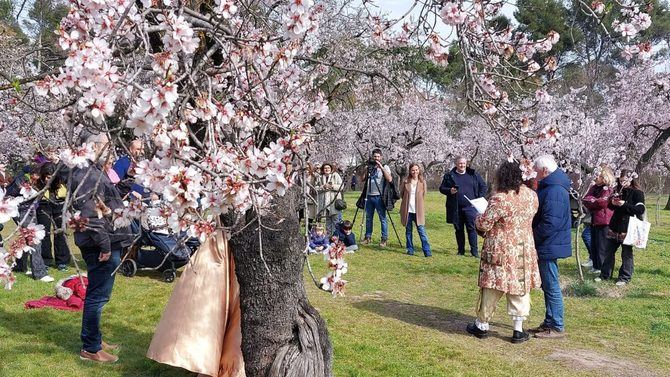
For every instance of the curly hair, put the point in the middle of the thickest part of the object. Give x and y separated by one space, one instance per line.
509 177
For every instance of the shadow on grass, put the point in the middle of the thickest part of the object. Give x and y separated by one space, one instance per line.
440 319
653 271
54 334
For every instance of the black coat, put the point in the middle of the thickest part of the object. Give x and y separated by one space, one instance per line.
633 206
448 182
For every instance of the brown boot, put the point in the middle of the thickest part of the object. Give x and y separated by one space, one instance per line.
100 356
550 334
109 347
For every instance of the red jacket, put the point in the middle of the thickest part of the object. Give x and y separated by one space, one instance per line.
596 201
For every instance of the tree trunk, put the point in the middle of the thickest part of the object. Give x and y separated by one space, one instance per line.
667 205
282 334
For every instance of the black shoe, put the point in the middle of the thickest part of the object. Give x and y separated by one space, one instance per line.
474 330
520 337
461 254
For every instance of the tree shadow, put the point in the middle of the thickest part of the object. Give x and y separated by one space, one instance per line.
440 319
653 271
49 333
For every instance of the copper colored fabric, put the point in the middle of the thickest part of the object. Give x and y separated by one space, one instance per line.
200 327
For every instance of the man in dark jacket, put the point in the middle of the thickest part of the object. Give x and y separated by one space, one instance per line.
459 183
95 197
552 232
375 196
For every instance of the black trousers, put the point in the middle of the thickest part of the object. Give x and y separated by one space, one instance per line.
50 214
599 244
626 270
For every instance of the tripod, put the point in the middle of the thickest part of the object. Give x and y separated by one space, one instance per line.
368 180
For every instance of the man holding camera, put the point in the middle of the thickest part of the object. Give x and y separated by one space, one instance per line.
459 183
378 176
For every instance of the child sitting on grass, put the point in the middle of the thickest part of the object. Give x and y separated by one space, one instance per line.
343 233
318 241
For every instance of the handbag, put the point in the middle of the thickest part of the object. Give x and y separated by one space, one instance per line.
638 233
340 204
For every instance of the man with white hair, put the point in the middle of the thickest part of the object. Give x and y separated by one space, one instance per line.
99 241
551 231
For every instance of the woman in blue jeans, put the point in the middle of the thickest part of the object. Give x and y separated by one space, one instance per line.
412 209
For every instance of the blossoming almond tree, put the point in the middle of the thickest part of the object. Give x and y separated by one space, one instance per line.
226 92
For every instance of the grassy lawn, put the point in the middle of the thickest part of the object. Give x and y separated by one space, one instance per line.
402 316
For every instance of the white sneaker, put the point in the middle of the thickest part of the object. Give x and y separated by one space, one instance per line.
620 283
29 273
597 280
47 279
588 264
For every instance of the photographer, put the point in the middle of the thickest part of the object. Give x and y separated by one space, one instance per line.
460 182
378 176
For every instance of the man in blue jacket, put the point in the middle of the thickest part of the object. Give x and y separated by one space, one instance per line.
551 230
460 182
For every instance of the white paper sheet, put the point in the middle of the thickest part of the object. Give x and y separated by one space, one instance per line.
480 204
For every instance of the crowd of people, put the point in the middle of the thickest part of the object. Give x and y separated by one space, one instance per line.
526 226
96 191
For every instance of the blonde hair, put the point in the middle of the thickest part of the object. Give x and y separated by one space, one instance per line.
608 176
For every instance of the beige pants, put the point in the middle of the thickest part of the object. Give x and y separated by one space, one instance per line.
517 306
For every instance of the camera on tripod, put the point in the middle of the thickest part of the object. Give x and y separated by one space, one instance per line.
372 165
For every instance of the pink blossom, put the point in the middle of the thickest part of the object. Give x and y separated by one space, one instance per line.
452 15
9 207
598 7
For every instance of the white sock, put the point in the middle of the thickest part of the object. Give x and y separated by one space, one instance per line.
518 323
484 326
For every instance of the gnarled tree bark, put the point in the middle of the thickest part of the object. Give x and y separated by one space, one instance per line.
282 334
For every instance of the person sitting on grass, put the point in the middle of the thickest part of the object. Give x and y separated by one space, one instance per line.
345 235
318 240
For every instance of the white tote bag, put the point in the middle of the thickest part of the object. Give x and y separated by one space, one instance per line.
638 233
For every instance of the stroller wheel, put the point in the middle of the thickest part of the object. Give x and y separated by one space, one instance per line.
128 268
169 275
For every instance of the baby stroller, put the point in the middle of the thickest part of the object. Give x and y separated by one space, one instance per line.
156 249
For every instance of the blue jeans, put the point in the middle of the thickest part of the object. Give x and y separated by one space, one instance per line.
586 237
98 292
553 297
375 203
425 246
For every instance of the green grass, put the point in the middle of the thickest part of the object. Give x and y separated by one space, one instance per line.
402 316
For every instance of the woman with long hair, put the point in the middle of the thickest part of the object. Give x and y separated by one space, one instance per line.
508 262
597 202
412 208
626 201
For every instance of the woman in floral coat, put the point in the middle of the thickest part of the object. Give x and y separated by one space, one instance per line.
508 260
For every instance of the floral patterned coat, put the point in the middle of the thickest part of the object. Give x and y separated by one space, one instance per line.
508 258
